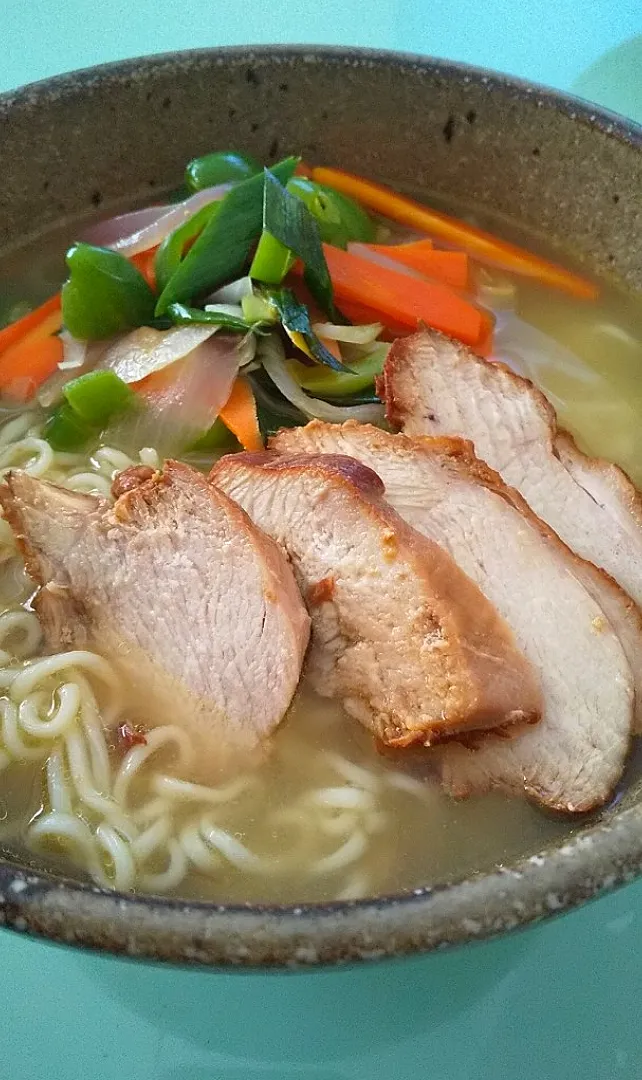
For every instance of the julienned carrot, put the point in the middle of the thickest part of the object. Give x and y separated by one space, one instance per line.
449 267
408 301
239 415
482 245
16 330
26 365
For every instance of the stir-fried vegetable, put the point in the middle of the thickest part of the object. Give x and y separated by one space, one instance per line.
289 222
338 384
408 301
240 416
217 437
222 250
449 267
477 242
339 218
104 294
219 168
90 402
27 364
12 333
295 319
97 396
187 316
172 250
274 362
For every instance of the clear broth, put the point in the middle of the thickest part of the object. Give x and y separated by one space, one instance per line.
420 839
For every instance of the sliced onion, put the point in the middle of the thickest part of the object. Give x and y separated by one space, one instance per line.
365 252
354 335
273 359
226 309
79 357
143 229
145 351
529 351
183 402
232 293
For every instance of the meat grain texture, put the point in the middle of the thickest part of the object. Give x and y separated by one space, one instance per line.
400 635
197 609
575 756
433 385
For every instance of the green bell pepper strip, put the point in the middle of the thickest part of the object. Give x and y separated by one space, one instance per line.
66 431
187 316
97 396
219 168
170 252
104 294
222 250
296 318
340 219
338 384
90 402
288 220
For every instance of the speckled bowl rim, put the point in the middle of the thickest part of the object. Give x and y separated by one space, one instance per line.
592 862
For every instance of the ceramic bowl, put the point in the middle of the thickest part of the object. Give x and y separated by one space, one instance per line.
558 165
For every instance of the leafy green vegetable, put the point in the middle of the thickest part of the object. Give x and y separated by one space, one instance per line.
104 294
288 220
340 219
222 250
296 318
188 316
171 250
219 168
97 396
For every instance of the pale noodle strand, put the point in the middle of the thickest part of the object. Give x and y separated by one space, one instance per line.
118 852
34 456
170 878
42 669
62 718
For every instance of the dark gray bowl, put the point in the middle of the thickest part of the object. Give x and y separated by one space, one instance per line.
562 167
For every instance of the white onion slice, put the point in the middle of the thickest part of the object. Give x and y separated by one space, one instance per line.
232 293
273 359
182 409
382 260
354 335
143 229
145 351
226 309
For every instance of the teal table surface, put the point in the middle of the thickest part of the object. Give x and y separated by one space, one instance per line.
559 1002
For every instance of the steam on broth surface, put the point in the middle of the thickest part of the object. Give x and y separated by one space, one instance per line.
325 816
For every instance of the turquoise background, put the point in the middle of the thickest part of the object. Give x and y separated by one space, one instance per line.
559 1002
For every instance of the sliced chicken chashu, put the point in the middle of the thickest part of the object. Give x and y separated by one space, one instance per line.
575 756
400 634
435 386
196 608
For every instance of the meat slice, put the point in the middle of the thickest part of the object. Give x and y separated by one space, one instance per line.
575 756
399 634
435 386
197 609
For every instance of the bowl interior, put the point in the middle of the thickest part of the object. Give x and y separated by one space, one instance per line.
565 171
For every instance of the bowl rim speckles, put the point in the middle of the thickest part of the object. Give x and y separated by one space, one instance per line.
597 858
